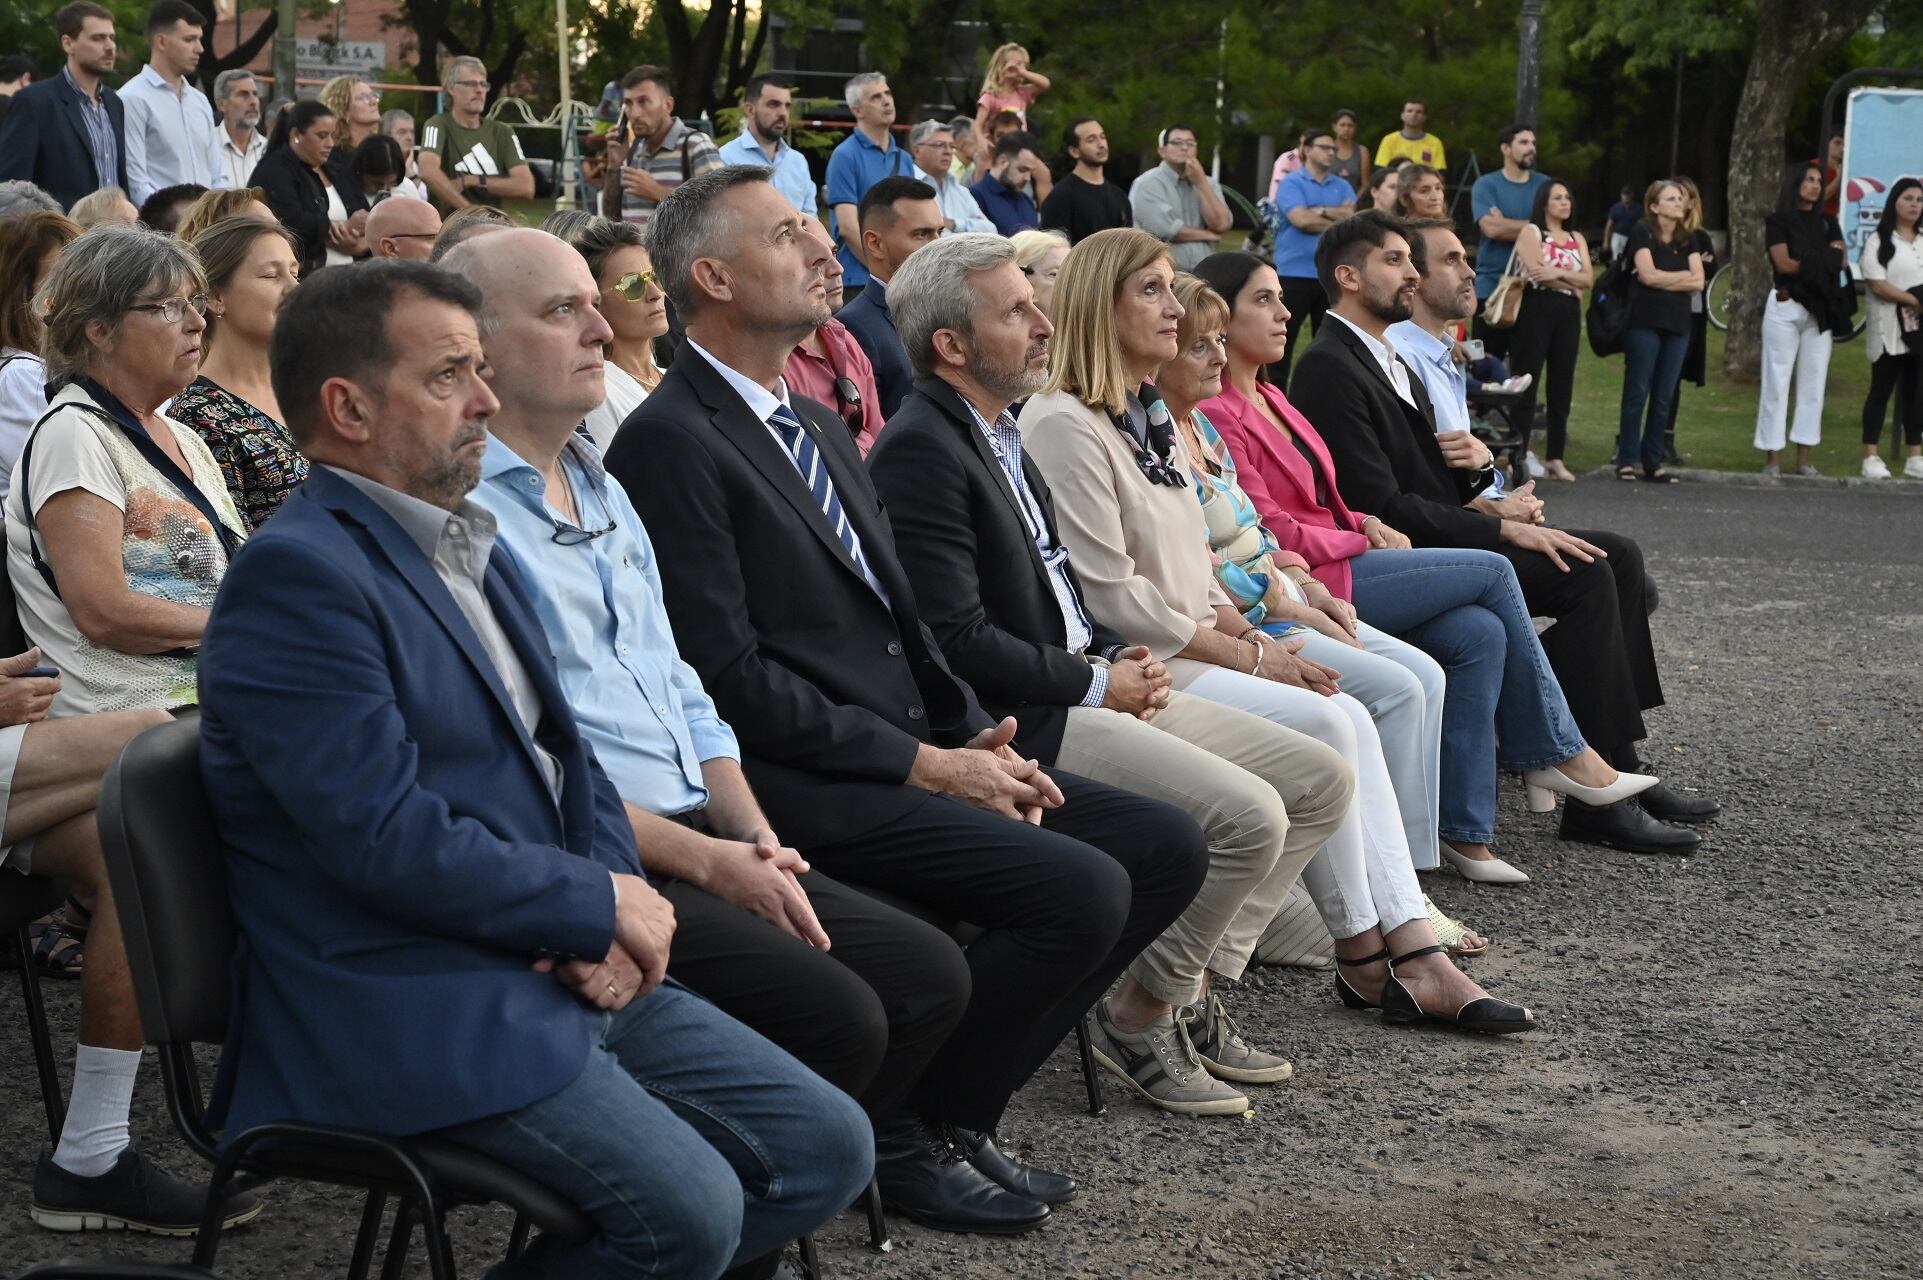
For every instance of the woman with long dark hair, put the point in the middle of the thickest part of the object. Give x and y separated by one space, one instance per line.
1892 269
1666 271
1806 253
1554 259
326 216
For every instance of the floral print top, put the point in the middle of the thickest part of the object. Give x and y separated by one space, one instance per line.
256 454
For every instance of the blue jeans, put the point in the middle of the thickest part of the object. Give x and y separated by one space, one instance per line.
1465 609
690 1142
1653 365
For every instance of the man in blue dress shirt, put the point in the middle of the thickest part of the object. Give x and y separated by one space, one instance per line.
172 137
765 105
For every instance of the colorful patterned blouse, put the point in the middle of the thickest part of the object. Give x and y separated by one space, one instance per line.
256 454
1241 550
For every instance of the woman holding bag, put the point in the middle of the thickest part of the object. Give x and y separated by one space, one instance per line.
1553 259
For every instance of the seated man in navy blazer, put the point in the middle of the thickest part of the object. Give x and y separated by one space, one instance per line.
68 133
444 926
868 754
897 216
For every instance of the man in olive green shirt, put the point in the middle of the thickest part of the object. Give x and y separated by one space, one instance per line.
465 159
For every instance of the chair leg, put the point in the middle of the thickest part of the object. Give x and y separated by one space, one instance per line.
207 1240
877 1219
810 1261
1091 1079
517 1238
398 1240
371 1214
42 1040
440 1250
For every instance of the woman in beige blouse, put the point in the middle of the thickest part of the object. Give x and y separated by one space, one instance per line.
1136 535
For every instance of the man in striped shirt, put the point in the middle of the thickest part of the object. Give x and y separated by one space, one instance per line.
652 152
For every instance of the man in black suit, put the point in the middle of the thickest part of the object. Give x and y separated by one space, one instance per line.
976 533
68 135
898 216
877 763
1380 427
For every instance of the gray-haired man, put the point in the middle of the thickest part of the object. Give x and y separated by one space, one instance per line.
242 144
932 143
867 155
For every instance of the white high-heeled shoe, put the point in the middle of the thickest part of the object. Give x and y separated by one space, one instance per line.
1489 870
1544 785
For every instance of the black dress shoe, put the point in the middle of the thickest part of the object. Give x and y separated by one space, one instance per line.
924 1176
1666 805
1625 826
1012 1175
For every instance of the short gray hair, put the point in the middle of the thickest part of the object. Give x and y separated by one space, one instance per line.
927 129
100 277
389 117
961 126
686 226
457 65
228 79
931 291
567 223
20 196
853 89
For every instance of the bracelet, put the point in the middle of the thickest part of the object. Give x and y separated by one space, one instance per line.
1258 657
1252 631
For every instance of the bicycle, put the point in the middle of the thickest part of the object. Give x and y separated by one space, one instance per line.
1716 302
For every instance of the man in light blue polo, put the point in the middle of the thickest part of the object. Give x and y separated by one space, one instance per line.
171 134
765 106
1311 200
869 154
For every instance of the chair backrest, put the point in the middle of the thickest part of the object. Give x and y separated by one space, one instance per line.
170 884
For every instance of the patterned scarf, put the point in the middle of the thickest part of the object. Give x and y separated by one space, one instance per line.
1159 461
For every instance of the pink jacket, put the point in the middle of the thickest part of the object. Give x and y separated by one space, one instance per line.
1278 480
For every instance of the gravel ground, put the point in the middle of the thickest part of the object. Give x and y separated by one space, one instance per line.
1727 1079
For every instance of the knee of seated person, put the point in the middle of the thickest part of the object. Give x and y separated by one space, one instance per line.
1329 724
690 1224
1250 813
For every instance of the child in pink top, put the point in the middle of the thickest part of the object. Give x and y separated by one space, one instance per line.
1008 86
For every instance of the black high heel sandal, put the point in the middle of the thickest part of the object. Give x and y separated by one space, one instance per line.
1349 995
1485 1014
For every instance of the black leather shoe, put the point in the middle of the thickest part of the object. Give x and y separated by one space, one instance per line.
1667 805
924 1176
1625 826
134 1195
1011 1174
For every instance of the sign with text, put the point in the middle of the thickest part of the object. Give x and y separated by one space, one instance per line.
1882 141
321 59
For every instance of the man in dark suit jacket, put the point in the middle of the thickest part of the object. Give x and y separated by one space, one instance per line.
1376 419
443 922
867 752
898 216
976 533
68 134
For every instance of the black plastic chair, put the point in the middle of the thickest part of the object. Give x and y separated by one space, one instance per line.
24 899
170 885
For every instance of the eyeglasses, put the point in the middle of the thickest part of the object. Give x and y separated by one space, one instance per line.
634 286
369 96
1180 144
848 404
468 84
174 310
568 535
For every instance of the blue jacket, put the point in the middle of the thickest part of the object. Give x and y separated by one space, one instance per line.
873 325
44 140
395 860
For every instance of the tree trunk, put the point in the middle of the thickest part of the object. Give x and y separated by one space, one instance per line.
212 64
1792 36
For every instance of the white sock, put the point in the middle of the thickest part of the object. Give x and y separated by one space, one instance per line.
96 1130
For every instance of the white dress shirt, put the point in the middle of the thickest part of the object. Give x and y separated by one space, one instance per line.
957 204
171 137
240 163
1385 356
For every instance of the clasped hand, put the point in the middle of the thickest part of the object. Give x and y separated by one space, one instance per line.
988 774
1137 684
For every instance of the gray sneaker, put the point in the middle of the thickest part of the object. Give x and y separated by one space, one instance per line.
1771 471
1808 471
1159 1063
1219 1044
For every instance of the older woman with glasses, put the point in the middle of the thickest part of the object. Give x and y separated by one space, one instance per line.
1125 497
119 526
1040 255
635 308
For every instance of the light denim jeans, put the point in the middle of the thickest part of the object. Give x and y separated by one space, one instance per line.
1465 609
691 1143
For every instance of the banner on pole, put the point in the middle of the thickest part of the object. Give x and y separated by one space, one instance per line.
1882 141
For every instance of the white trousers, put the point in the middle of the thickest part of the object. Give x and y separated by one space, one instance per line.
1362 877
1793 343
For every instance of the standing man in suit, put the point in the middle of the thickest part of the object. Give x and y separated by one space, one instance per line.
977 536
866 751
67 135
898 216
434 876
1376 418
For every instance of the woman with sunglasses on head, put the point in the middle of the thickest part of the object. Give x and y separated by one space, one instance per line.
829 366
635 308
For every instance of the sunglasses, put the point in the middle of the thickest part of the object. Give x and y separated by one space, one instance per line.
848 404
568 535
634 286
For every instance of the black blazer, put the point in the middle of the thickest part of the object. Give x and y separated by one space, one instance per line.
869 319
1387 461
979 579
830 690
298 198
44 140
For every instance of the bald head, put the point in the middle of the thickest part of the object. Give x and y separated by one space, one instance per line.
402 227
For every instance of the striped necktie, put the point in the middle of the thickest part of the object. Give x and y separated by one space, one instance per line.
814 473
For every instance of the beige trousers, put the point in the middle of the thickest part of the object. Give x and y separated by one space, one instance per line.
1265 796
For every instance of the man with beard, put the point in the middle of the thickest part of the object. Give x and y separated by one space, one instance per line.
765 107
977 535
67 135
1501 201
242 144
1380 426
1085 201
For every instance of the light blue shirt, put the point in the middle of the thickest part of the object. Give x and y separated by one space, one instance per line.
171 138
791 179
958 204
642 709
1446 382
1294 247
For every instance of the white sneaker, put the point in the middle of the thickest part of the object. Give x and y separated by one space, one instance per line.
1533 464
1874 468
1913 468
1516 385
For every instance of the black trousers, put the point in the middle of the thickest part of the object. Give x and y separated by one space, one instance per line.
1544 344
1599 648
1065 907
1304 298
866 1015
1902 375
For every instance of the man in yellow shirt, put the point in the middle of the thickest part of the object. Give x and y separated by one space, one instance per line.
1412 141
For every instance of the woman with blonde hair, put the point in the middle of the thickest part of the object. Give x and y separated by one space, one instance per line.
1667 269
1040 254
1419 192
109 204
1120 473
1696 359
218 206
1009 85
357 104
